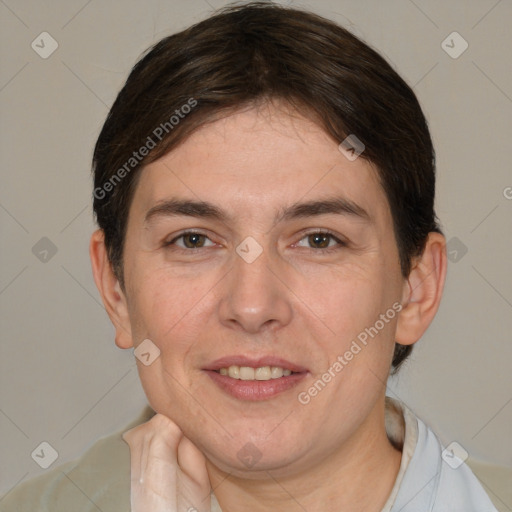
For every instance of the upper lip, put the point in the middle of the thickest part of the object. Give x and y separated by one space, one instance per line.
238 360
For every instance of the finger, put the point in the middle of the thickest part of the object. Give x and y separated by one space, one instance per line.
153 444
154 466
192 461
135 440
194 484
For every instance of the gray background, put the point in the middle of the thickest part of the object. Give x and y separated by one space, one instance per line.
63 380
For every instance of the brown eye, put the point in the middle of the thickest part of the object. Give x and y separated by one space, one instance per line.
319 240
193 240
322 242
190 240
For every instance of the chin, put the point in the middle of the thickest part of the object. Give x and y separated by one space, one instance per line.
253 456
254 465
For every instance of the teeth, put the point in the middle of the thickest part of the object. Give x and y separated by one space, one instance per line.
261 373
276 372
234 372
246 373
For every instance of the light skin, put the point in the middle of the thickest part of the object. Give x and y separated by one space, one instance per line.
295 301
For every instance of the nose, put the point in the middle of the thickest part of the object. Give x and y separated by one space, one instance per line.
255 297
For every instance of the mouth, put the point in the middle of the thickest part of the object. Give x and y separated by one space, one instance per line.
260 373
255 380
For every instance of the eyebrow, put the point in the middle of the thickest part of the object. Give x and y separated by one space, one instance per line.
203 209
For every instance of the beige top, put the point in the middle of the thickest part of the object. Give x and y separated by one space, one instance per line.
100 479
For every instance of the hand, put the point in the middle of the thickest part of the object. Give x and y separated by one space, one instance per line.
168 472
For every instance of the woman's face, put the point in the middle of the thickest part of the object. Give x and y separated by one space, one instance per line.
290 257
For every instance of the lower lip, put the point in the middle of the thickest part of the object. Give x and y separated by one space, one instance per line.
255 390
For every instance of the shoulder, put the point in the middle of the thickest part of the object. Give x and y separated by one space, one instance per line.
98 480
437 480
496 480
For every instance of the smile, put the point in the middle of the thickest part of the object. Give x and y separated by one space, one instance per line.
255 379
260 373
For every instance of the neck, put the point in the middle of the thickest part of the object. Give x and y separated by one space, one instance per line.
357 476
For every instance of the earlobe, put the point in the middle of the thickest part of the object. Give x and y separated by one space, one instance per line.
423 290
108 285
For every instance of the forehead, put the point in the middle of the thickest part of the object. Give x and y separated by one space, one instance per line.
260 160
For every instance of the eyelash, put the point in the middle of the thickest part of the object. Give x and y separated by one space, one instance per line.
329 250
340 243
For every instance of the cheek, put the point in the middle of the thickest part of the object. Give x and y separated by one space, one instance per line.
169 312
345 309
169 309
344 299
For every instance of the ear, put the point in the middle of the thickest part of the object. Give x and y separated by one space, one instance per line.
111 293
422 291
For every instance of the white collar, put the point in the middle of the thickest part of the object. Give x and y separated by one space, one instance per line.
402 431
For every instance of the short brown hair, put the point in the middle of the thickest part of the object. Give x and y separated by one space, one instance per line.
247 54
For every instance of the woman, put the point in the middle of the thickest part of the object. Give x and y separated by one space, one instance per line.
267 242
